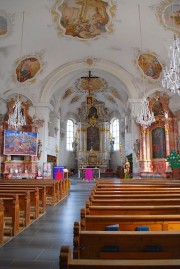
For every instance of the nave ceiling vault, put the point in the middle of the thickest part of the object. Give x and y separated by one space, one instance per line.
109 46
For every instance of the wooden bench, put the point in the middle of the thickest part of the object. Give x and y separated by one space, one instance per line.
11 214
34 197
125 244
136 182
66 262
19 186
56 190
24 204
136 202
134 196
131 210
130 222
1 221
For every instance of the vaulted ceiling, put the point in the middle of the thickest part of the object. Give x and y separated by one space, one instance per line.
62 40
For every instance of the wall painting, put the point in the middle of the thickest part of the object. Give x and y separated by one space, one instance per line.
83 19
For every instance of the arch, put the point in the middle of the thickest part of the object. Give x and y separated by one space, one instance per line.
101 65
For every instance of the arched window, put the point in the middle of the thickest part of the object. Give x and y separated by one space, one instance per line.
69 135
114 129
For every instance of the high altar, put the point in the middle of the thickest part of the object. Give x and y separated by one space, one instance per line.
92 142
159 139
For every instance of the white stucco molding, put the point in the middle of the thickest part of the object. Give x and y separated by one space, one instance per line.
72 67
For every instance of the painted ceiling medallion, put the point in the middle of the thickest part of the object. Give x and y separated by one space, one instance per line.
27 69
149 65
6 23
168 13
83 19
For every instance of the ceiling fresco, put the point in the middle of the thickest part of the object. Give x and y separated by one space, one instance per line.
83 19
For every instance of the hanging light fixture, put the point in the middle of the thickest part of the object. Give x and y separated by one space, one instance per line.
145 117
17 118
171 74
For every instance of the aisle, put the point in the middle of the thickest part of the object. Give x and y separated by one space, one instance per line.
38 246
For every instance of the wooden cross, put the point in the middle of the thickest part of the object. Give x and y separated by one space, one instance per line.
89 81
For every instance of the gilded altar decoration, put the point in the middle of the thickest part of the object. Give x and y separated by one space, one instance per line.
149 65
168 13
83 19
27 69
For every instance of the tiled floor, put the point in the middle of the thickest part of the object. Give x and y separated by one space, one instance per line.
38 246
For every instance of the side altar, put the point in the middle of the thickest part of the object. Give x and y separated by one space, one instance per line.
19 149
159 139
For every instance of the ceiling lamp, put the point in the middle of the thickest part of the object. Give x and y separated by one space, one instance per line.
171 74
17 118
145 117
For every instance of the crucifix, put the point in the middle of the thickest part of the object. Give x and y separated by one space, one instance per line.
89 81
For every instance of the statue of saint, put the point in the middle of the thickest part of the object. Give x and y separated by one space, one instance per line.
127 169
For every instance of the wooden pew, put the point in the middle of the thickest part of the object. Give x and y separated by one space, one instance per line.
135 196
136 182
66 262
24 204
131 202
19 186
125 244
56 190
130 222
12 212
1 221
131 210
34 197
154 191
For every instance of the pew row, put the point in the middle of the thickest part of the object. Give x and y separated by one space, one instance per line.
131 210
134 196
56 190
1 221
125 244
34 197
130 222
66 262
132 202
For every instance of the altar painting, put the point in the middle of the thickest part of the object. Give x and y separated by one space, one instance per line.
83 19
93 138
158 143
149 65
